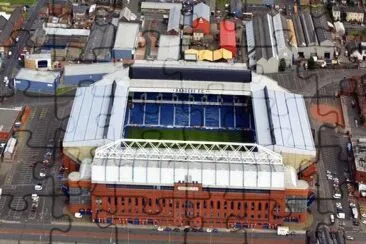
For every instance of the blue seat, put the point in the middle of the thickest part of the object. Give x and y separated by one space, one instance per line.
227 117
152 114
166 114
212 116
211 98
227 99
137 95
181 115
152 95
137 114
183 97
241 118
197 115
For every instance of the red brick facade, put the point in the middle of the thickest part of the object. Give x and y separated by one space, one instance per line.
198 207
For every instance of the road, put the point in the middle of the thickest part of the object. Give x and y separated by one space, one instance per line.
95 234
24 35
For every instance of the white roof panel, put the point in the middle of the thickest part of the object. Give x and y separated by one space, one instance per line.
126 36
169 47
35 75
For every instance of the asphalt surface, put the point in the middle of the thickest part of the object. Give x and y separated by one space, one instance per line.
112 234
11 62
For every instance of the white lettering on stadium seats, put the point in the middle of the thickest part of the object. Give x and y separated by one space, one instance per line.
189 90
184 188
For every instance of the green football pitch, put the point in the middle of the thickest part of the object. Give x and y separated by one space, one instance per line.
186 134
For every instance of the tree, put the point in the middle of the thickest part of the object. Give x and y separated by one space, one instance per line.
282 65
311 63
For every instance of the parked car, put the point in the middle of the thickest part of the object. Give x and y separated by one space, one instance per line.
350 238
176 230
38 187
160 228
167 229
337 195
42 172
341 215
78 215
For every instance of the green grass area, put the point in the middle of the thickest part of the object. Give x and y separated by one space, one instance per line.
186 134
17 2
64 90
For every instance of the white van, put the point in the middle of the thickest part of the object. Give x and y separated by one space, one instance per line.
332 220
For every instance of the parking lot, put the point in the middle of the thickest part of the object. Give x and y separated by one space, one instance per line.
34 141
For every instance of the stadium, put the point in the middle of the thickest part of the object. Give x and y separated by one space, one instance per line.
176 143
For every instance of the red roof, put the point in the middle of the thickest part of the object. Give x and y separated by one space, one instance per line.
227 33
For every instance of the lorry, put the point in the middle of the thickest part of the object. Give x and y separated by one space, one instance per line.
283 230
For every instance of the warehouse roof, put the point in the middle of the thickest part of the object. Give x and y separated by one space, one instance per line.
158 162
227 34
309 29
8 117
301 42
174 19
280 121
264 38
292 33
281 31
321 28
201 10
39 76
90 69
66 32
160 5
169 47
126 14
126 35
100 43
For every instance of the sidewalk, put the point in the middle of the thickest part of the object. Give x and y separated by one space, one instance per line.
152 227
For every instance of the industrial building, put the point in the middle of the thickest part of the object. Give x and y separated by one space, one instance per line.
201 18
30 81
125 44
313 37
247 169
39 61
100 43
174 21
228 36
169 47
273 37
8 118
261 42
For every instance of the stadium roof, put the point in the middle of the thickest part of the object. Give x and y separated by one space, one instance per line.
201 10
169 47
181 70
126 36
94 120
39 76
281 122
214 164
